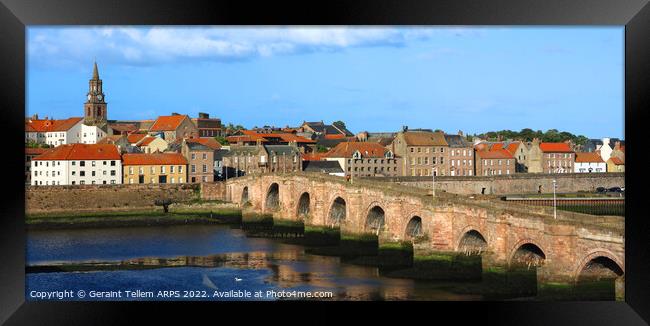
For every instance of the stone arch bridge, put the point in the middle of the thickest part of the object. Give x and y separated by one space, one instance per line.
504 233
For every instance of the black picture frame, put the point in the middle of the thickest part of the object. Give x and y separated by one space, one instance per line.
15 15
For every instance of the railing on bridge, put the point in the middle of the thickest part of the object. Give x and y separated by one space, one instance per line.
614 206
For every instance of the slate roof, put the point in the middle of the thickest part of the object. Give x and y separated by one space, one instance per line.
457 141
322 166
281 149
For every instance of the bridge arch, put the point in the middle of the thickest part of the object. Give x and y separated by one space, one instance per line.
599 263
337 212
375 219
471 240
272 201
527 253
244 196
414 228
304 206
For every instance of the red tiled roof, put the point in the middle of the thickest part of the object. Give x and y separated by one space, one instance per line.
313 156
498 154
124 127
154 159
35 151
81 152
50 125
512 148
555 148
134 138
334 136
616 160
167 123
146 141
367 149
496 146
588 157
209 142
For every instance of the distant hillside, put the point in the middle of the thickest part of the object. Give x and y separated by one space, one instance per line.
527 134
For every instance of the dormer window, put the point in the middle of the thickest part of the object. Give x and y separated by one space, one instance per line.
356 155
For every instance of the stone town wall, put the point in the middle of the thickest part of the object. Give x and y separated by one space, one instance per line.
85 197
514 184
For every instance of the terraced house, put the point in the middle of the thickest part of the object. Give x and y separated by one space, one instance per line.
154 168
461 155
365 159
77 164
422 152
557 157
494 162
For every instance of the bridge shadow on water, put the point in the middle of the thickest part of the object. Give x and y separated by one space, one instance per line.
462 273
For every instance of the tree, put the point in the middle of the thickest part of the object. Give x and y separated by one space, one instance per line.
321 149
221 140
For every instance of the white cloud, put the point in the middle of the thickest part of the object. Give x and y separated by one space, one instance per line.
150 45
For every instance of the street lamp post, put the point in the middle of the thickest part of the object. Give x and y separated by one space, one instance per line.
433 182
554 201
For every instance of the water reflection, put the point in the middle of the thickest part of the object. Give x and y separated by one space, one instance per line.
205 258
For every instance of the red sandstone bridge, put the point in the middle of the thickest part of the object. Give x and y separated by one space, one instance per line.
505 234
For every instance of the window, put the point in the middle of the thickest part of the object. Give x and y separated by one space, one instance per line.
82 163
433 160
419 149
82 173
171 169
205 156
131 180
153 170
162 169
112 163
141 170
411 149
205 179
112 172
93 163
180 170
193 156
180 179
93 173
104 172
151 180
426 160
74 172
82 182
193 168
499 162
442 160
205 168
104 162
171 180
130 170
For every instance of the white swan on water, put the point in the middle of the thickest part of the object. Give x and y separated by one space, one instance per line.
237 279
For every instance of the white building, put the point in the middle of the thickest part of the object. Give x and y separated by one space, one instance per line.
53 132
60 132
90 134
589 163
73 164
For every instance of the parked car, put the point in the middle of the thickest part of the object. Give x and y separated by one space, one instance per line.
615 189
601 189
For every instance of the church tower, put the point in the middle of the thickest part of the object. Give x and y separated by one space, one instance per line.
95 107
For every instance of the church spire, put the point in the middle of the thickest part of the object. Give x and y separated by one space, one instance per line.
95 72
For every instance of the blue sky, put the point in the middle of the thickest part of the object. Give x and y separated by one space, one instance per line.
474 79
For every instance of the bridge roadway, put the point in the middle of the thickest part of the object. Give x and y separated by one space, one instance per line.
504 233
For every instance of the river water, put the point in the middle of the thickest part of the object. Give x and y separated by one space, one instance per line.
204 262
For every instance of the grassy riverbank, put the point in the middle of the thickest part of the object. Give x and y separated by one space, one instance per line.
136 217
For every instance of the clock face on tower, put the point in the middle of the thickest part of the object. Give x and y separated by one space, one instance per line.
100 97
88 97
